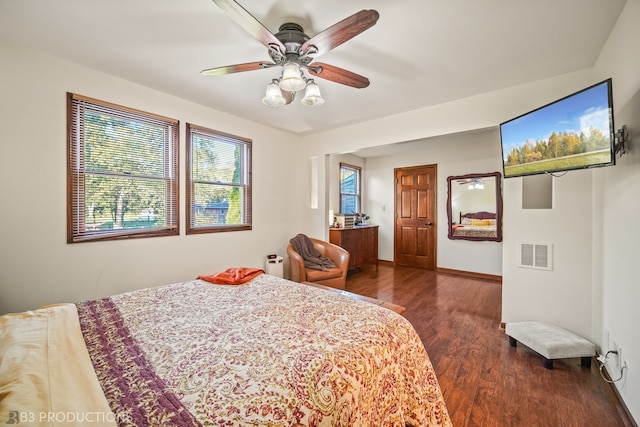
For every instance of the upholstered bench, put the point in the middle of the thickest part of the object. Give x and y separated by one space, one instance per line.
551 342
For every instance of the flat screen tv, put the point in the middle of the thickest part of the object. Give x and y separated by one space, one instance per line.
575 132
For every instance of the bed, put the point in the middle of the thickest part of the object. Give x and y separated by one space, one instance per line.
476 224
269 352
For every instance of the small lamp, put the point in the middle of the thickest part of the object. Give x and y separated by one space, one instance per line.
292 80
273 97
312 97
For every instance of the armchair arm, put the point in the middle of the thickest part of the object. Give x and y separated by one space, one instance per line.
297 265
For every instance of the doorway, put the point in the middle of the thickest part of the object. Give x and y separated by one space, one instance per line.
415 217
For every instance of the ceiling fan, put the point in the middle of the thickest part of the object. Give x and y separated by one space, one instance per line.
474 183
294 51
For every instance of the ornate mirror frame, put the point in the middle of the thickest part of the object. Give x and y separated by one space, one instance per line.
453 181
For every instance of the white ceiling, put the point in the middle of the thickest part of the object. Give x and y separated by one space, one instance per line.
420 53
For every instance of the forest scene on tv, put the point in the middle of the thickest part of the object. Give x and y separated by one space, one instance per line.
572 133
560 151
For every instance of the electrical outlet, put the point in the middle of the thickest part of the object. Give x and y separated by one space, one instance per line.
617 356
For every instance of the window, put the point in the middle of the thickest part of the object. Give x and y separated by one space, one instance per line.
122 172
349 188
218 181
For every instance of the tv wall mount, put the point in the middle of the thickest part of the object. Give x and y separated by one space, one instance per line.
620 138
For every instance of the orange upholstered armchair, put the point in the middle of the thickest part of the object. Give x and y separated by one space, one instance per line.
334 277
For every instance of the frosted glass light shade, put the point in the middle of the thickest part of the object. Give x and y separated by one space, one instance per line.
273 97
292 80
312 97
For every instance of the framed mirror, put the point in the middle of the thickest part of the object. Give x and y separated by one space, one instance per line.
474 207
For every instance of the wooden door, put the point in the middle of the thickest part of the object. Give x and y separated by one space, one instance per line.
415 219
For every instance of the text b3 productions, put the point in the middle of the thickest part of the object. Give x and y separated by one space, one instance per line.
30 418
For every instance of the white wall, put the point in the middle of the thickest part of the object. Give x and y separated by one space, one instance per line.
543 295
593 289
38 267
617 202
457 154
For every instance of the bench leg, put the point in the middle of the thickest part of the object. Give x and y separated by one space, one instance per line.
585 362
548 363
513 342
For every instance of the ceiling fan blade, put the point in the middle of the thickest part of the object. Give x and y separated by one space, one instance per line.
339 33
247 21
238 68
338 75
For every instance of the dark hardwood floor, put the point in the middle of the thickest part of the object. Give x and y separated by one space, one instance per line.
485 381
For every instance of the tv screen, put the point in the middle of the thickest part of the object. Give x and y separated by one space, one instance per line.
575 132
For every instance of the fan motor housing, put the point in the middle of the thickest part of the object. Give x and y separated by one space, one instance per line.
292 37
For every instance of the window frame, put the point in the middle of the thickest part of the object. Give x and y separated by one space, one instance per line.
358 194
246 181
77 230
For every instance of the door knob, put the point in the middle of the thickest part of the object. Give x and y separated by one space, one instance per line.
429 223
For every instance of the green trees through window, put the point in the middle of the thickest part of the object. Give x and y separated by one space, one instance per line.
122 175
122 172
218 181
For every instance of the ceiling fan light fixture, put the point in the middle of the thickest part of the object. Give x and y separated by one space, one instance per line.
294 50
312 97
292 80
273 97
475 184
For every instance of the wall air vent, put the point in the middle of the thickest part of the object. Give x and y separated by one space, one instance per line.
536 255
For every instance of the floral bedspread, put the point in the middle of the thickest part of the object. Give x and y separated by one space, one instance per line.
475 231
266 353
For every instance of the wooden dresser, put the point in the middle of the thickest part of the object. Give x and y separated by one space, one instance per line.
361 242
